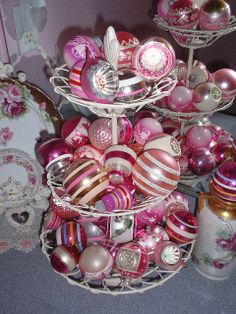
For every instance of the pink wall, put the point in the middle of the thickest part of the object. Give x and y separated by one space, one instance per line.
67 18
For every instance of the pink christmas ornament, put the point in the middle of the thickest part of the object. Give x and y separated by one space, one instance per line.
99 80
199 74
52 221
154 58
152 215
145 114
64 259
198 136
221 152
179 197
225 79
181 68
95 262
77 49
75 131
183 164
180 99
89 151
176 201
125 130
214 15
182 226
75 79
146 128
165 142
201 161
163 7
71 233
100 133
168 256
127 43
156 173
93 232
206 97
132 260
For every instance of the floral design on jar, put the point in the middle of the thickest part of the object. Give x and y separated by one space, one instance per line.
5 135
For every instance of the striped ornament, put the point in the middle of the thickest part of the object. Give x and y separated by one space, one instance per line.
64 259
85 181
52 221
156 173
75 80
71 233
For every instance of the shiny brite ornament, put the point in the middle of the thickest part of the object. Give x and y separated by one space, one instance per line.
95 262
168 256
71 233
198 136
125 130
93 232
52 221
85 181
75 80
154 58
119 160
221 152
127 43
100 133
183 164
225 79
75 131
181 68
182 226
199 74
206 97
145 128
176 201
132 260
180 99
156 173
214 15
64 259
163 7
152 215
77 49
89 151
201 161
165 142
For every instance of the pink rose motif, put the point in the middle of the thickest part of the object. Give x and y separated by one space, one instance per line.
9 158
218 264
3 96
15 92
32 180
13 109
5 135
29 168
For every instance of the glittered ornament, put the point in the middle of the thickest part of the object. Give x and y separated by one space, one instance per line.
198 136
214 15
145 128
52 221
156 173
225 79
165 142
206 96
89 151
132 260
71 233
100 133
64 259
99 80
168 256
75 79
95 262
180 99
201 161
182 226
199 74
85 181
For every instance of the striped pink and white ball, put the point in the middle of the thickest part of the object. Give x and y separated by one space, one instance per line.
52 221
64 259
75 79
156 173
182 226
85 181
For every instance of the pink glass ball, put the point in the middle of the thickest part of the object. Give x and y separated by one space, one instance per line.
221 152
152 215
89 151
182 226
75 131
145 128
201 161
206 97
183 164
180 99
64 259
52 221
163 7
181 68
199 74
125 130
225 79
75 79
165 142
93 232
156 173
214 15
100 133
176 201
95 262
132 260
77 49
71 233
198 136
168 255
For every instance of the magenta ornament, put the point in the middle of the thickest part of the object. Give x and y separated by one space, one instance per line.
225 79
180 99
168 255
89 151
64 259
145 128
163 7
71 233
125 130
52 221
75 79
183 164
201 161
206 96
181 68
198 136
100 133
152 215
221 152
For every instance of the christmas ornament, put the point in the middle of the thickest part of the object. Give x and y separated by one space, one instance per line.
146 128
163 7
132 86
64 259
168 256
176 201
221 152
89 151
71 233
100 133
180 99
145 114
95 262
99 80
75 79
132 260
121 228
214 15
225 79
111 47
199 74
201 161
77 49
198 136
206 96
165 142
125 130
156 173
152 215
85 181
181 226
93 232
119 160
52 221
181 69
75 131
183 164
154 58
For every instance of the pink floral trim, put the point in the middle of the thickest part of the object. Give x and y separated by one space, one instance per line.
5 135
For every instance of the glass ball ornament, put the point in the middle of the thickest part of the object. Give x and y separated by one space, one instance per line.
201 161
176 201
199 74
132 260
125 130
64 259
221 152
151 216
165 142
93 232
52 221
95 262
89 151
100 133
182 226
225 79
168 255
198 136
183 164
163 7
145 128
206 97
75 79
180 99
214 15
181 68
